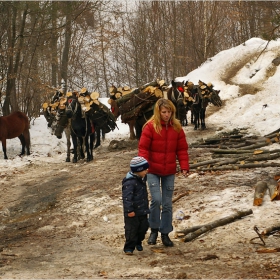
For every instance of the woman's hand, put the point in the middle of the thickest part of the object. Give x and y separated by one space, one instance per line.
131 214
185 173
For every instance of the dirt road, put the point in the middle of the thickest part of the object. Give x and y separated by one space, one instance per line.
64 220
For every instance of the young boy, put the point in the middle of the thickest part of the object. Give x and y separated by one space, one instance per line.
135 205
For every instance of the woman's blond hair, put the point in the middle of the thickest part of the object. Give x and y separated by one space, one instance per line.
156 119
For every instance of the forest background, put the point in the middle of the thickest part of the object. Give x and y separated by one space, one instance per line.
96 44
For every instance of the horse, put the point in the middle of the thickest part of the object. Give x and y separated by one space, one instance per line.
176 94
116 112
203 94
81 129
15 125
101 119
58 123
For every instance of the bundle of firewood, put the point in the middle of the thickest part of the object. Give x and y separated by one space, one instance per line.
132 102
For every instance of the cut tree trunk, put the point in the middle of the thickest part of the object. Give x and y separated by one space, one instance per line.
273 191
260 190
221 222
271 230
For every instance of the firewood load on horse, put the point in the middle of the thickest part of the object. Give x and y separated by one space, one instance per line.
135 105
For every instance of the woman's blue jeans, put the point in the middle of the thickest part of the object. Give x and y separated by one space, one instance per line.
161 190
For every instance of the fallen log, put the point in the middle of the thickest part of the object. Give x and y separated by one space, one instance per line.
180 196
273 132
266 142
225 151
260 190
186 231
239 166
207 162
273 192
217 223
271 230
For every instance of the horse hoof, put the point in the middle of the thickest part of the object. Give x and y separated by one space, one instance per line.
67 160
74 160
195 128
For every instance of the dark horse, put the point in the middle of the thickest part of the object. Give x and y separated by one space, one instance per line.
203 94
59 123
15 125
176 94
81 129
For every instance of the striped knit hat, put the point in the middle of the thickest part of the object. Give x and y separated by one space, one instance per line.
138 164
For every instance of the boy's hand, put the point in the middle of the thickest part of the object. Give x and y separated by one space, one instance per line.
131 214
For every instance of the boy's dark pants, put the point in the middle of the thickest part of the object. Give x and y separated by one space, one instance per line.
135 230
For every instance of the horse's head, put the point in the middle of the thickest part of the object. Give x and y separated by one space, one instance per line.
60 123
176 91
72 107
57 96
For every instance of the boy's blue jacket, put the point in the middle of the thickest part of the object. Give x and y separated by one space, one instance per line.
135 195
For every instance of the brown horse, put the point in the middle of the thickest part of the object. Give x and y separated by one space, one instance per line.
116 113
15 125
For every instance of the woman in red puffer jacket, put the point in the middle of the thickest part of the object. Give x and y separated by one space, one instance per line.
162 142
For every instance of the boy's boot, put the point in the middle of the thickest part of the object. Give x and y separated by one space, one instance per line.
166 240
153 236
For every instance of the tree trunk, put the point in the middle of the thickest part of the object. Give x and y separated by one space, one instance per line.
67 41
270 230
53 45
10 103
260 190
217 223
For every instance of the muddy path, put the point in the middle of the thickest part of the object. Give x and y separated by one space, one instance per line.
64 220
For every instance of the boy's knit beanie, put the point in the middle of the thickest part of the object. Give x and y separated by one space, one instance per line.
138 164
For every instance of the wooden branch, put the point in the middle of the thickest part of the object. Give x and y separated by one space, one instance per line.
260 190
271 230
188 230
179 196
207 162
217 223
239 166
273 133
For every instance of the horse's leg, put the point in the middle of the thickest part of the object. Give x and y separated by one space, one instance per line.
192 116
138 129
81 143
186 118
4 148
26 135
131 130
89 147
68 141
103 135
75 147
91 141
98 142
202 117
22 141
196 116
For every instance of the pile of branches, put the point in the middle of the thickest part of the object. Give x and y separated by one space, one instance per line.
234 151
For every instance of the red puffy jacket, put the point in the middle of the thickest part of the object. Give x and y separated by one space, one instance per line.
161 150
